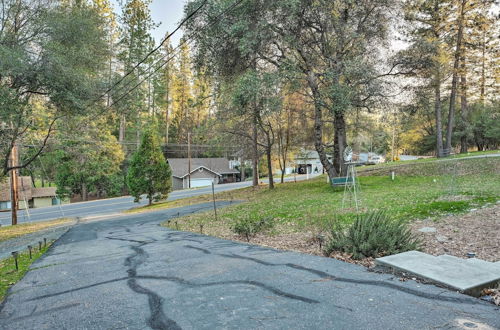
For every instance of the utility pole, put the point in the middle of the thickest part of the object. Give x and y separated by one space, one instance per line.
189 160
14 201
167 124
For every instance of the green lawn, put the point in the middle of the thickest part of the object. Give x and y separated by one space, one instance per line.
307 205
432 159
8 273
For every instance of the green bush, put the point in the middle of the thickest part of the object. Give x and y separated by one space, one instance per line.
248 227
371 235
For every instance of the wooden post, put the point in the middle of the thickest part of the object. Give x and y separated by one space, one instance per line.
189 160
14 194
213 197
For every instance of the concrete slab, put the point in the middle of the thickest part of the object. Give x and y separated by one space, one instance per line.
482 263
469 276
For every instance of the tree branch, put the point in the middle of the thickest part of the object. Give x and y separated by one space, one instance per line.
32 158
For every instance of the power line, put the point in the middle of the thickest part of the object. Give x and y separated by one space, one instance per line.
156 48
186 41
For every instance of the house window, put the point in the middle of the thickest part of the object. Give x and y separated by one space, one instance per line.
56 201
4 205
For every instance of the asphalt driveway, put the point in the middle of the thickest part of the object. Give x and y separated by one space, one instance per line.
129 273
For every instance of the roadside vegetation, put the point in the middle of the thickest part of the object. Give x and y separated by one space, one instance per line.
8 273
10 232
303 211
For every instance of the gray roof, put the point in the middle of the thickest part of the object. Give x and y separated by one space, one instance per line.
219 166
44 192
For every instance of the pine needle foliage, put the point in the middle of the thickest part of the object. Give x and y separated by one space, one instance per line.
149 172
373 235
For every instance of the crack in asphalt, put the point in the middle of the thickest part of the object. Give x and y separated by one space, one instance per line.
127 240
184 282
326 275
247 282
78 289
158 319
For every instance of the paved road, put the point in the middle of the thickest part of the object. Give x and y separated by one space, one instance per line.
116 205
127 272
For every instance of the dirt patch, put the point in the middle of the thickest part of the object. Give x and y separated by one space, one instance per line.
477 231
303 242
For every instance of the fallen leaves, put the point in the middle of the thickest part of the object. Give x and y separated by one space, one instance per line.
492 295
475 232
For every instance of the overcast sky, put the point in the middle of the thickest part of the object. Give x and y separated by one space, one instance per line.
166 12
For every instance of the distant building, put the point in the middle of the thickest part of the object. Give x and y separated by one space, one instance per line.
28 195
204 172
308 162
368 158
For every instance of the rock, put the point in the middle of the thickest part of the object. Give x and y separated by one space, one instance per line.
441 238
427 230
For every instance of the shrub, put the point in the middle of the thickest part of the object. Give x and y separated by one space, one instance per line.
371 235
248 227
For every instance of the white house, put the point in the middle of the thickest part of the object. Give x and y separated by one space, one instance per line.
307 161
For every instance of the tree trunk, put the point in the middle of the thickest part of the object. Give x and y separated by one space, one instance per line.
464 143
286 145
32 179
318 126
121 134
282 154
167 124
339 142
454 81
138 134
255 160
270 167
483 68
14 180
242 169
85 196
269 160
437 112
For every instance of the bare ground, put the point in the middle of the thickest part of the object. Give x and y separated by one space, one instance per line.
303 242
477 231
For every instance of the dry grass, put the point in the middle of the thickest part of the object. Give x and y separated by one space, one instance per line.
10 232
